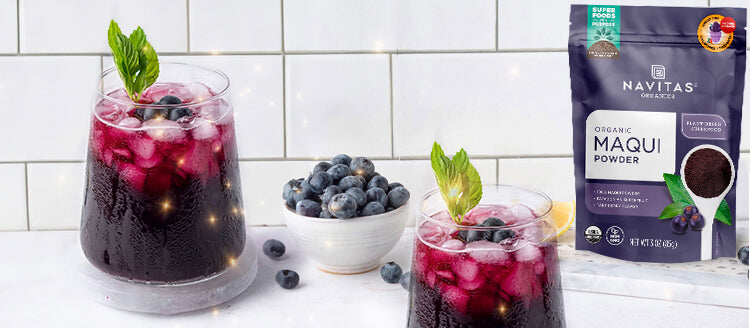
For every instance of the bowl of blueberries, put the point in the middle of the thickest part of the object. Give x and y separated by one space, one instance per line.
345 215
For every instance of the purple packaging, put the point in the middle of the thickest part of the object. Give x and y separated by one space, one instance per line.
657 110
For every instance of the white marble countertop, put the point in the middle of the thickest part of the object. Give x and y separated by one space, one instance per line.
37 290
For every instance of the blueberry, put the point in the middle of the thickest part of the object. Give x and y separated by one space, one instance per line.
325 214
341 159
358 195
697 222
273 248
378 181
287 193
377 195
372 208
742 255
309 208
406 280
493 222
177 113
319 181
329 192
339 171
287 279
139 112
398 196
362 166
363 180
301 190
343 206
391 272
169 100
350 182
477 235
152 113
690 210
321 167
292 204
679 224
393 185
500 235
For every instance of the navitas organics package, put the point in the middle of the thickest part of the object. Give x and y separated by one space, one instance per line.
657 109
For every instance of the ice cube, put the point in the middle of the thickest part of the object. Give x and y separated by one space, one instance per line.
134 175
477 282
204 130
521 281
198 159
150 162
521 212
430 278
488 252
130 122
539 267
198 91
527 252
432 233
479 214
122 152
445 275
465 268
453 244
142 147
164 130
458 297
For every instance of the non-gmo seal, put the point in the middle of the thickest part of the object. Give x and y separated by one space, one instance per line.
615 235
592 234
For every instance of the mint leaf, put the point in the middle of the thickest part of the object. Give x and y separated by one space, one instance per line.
676 189
673 210
723 213
135 59
458 181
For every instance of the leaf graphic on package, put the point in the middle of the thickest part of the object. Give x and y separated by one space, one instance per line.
676 189
673 210
723 213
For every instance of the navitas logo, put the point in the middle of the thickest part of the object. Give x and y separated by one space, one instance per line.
658 72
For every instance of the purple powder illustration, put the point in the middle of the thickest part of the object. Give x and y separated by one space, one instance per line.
715 32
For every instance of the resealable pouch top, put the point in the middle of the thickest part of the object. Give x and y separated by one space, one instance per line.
657 109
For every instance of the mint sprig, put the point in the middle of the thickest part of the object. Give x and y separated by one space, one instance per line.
135 59
681 198
458 181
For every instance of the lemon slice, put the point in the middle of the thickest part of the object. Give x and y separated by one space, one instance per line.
562 215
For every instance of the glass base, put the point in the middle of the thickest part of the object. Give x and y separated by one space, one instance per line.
167 298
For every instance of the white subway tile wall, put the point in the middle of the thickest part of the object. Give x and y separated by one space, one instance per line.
13 197
8 27
382 79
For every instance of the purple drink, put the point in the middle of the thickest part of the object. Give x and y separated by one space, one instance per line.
462 277
163 201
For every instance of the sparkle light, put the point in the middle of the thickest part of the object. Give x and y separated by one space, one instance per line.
217 148
232 261
258 67
181 161
165 205
214 52
228 184
215 312
212 219
235 210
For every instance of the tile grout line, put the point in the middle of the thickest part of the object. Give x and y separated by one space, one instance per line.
390 95
26 177
283 82
307 52
497 24
187 19
18 27
497 171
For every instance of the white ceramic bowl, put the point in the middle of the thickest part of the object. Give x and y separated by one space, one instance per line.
348 246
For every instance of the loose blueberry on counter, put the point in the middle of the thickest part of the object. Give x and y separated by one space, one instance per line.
322 167
358 195
690 210
500 235
362 166
406 280
287 279
339 171
350 182
372 208
377 195
177 113
398 196
169 100
378 181
679 224
391 272
320 181
343 206
493 222
697 222
341 159
329 192
274 248
742 255
309 208
392 186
